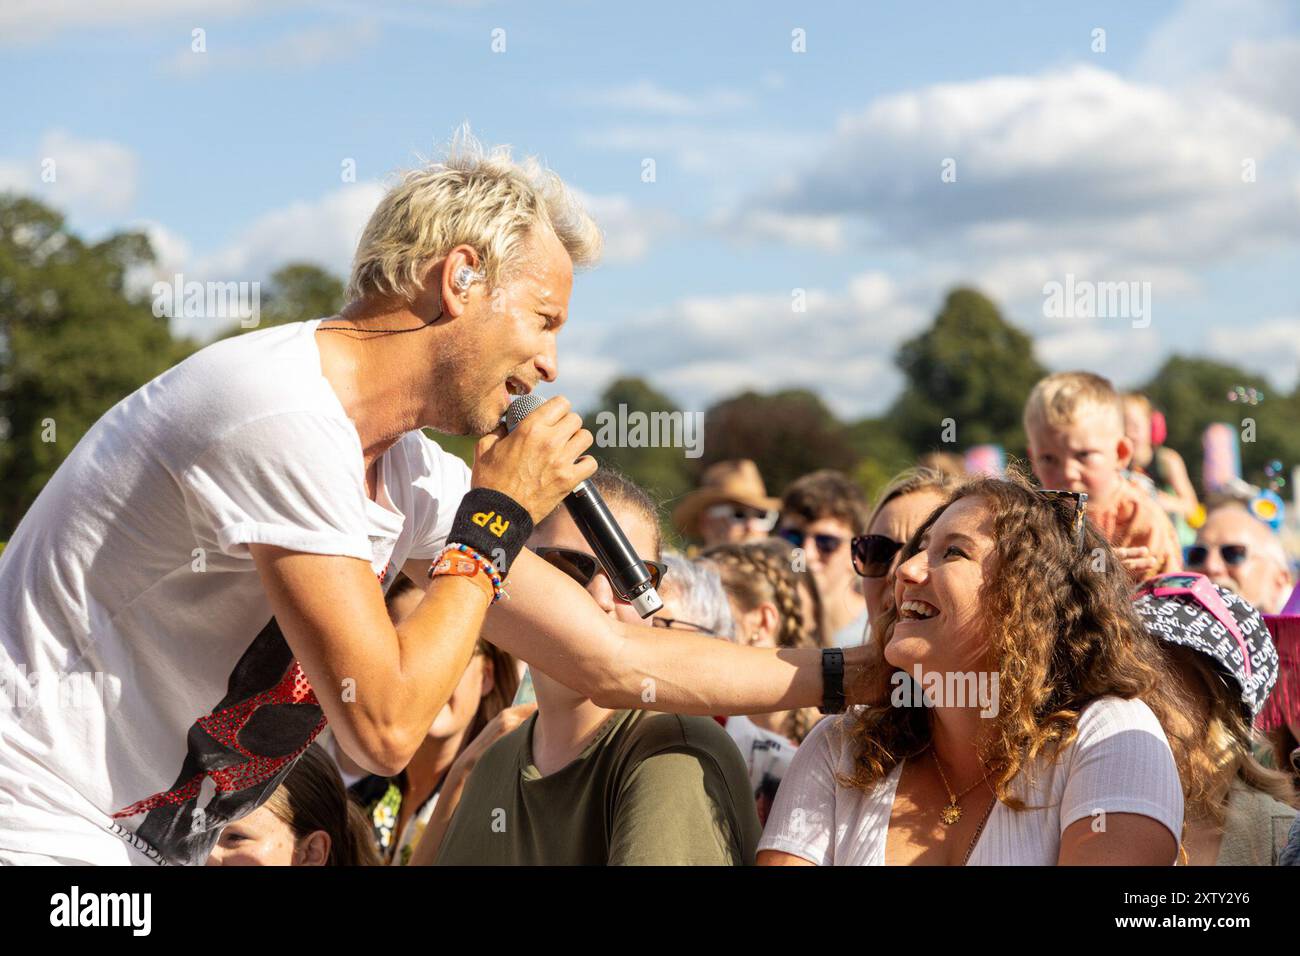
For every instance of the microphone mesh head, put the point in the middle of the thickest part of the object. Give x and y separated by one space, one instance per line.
520 407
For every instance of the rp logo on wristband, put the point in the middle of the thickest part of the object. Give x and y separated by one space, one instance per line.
497 527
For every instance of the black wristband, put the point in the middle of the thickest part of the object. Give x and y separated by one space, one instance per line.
833 701
493 524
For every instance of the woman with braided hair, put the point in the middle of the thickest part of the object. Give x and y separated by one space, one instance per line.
767 608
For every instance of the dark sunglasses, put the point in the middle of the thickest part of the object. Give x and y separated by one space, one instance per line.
826 544
1233 554
872 554
673 624
582 567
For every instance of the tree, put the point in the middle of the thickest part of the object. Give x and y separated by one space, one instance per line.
880 454
1193 393
662 468
969 374
73 342
297 292
787 434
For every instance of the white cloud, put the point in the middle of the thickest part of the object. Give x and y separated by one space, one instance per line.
301 49
1074 158
1125 355
648 97
1199 34
28 21
709 149
702 348
1266 74
825 232
81 177
171 255
1272 345
323 231
629 230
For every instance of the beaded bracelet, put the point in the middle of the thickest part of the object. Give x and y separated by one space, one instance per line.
486 566
454 564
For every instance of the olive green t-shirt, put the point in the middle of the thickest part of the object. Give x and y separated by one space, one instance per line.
650 789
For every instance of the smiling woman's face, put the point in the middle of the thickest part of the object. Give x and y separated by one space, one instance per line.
939 623
898 519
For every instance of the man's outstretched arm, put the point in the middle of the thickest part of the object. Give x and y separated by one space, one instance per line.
552 623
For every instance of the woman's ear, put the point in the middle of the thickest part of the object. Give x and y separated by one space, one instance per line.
769 622
312 849
489 676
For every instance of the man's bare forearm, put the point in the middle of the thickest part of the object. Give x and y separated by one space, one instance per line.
552 623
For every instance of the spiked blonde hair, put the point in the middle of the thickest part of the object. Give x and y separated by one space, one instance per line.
475 197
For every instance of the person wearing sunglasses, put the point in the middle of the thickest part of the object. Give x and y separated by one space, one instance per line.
581 784
1236 550
730 505
995 582
820 514
901 508
1237 811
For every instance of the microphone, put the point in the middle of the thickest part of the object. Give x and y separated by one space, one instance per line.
627 573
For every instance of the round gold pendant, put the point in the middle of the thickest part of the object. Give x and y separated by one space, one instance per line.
950 814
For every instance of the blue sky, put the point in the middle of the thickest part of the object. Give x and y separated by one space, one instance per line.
775 170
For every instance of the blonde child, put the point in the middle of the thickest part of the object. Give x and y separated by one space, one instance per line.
1074 424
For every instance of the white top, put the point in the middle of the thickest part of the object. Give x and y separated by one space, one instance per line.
129 582
1120 762
767 755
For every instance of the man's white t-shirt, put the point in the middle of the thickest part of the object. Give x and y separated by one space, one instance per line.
1120 762
147 696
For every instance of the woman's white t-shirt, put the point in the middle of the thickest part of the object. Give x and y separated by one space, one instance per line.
1120 762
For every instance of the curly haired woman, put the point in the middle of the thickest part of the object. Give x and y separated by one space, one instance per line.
1067 763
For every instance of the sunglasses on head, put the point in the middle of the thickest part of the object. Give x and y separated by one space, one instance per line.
582 567
1202 590
826 544
1196 555
873 553
1079 500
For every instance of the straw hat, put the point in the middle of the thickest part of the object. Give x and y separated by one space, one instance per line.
726 482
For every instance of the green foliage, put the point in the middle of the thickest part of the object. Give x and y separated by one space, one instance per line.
297 292
971 366
665 471
787 434
1193 393
73 342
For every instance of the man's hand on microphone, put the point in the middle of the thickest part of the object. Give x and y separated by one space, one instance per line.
538 463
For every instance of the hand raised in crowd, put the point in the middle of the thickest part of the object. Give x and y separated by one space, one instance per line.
1139 561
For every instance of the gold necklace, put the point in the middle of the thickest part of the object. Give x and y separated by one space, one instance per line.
952 812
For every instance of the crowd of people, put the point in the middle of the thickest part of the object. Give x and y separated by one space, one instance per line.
321 639
1112 664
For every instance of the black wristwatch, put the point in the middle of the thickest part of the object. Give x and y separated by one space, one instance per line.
833 701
